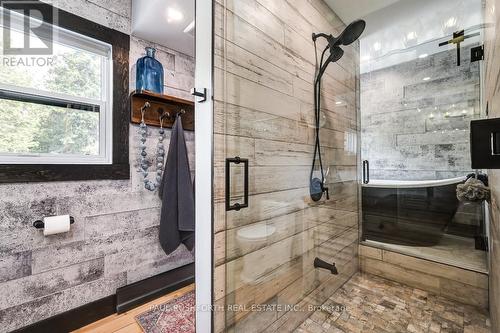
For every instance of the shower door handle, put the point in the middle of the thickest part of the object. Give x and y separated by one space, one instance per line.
237 206
366 172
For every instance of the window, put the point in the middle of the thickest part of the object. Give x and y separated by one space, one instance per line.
55 108
64 114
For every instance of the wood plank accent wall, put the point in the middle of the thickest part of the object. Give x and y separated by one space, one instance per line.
455 283
264 69
492 97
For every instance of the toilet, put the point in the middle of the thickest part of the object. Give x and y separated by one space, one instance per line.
252 238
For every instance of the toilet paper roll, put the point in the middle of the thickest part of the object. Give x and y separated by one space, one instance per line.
56 225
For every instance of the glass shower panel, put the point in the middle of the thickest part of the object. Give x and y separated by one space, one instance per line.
420 88
264 133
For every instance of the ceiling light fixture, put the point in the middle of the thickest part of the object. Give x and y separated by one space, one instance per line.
426 78
424 55
174 15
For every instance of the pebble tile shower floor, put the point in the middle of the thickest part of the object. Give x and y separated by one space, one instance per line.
376 305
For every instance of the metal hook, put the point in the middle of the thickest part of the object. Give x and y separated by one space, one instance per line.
143 110
163 114
180 113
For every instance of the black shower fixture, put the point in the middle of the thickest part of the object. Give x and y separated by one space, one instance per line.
350 34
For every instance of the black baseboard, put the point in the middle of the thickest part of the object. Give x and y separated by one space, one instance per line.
126 298
74 319
141 292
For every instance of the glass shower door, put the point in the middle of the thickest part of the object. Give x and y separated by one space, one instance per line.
419 94
268 232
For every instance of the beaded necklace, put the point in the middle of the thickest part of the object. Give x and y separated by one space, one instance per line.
160 152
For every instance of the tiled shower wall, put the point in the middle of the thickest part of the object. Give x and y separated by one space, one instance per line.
492 59
264 59
114 241
406 131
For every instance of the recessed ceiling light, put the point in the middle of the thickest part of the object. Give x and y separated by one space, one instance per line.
426 78
423 55
451 22
338 102
411 35
174 15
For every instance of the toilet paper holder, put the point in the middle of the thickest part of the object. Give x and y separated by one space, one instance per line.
40 225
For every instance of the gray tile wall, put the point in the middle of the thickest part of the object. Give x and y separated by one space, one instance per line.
114 241
406 133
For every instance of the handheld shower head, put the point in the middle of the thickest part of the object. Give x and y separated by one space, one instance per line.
335 54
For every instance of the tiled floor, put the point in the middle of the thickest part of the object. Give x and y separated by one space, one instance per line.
375 305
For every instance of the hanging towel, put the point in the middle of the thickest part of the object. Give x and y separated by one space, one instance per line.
177 195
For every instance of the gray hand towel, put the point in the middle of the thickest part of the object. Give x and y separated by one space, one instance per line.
177 194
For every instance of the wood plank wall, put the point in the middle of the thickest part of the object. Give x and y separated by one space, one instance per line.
264 69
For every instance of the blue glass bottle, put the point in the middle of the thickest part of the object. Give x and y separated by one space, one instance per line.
149 72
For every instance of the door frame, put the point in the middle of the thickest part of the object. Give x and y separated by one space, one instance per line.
204 115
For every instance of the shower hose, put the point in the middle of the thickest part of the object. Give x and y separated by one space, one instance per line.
317 186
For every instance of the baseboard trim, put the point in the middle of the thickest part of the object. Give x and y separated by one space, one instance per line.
74 319
126 298
141 292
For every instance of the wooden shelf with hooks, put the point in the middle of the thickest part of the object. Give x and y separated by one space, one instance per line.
161 104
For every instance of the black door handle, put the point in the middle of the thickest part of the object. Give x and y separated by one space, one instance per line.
237 206
366 172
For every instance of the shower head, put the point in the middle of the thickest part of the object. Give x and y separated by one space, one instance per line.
335 54
350 34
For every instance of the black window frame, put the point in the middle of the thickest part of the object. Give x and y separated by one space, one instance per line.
120 167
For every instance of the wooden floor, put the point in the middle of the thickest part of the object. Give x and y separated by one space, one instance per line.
125 322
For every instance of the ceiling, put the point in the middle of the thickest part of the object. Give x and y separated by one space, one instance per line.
415 29
164 22
349 10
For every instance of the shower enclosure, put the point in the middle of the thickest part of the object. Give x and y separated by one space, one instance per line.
268 230
396 89
421 85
